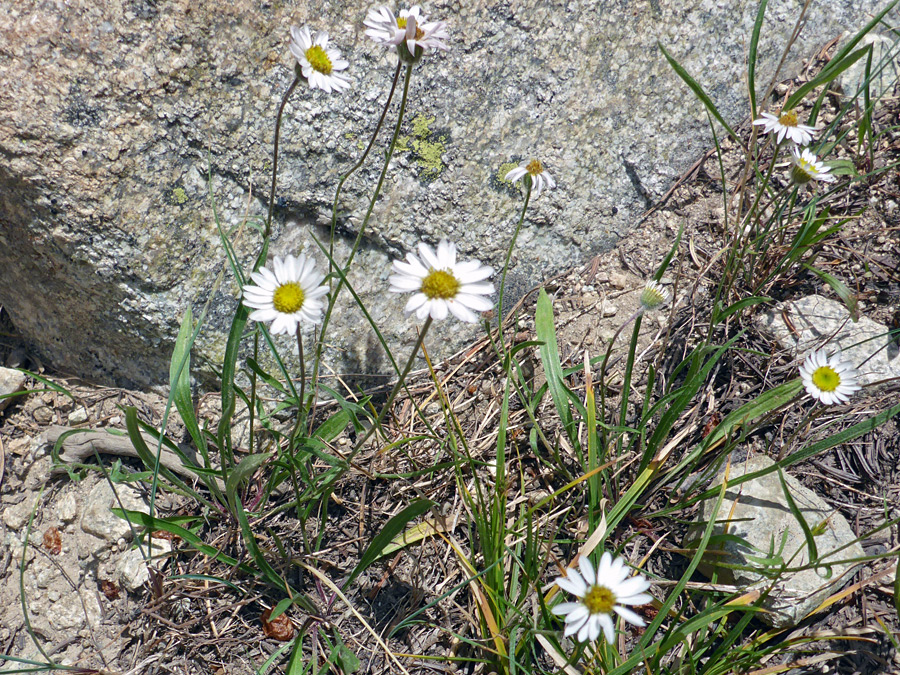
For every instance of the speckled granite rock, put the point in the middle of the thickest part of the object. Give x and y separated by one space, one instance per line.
757 512
111 113
818 322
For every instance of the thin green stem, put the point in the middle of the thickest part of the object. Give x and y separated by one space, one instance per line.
301 404
359 163
509 250
332 300
284 100
393 395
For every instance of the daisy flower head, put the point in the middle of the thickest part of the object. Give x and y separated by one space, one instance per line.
654 295
441 285
287 294
807 167
409 32
318 62
600 593
829 379
786 124
534 172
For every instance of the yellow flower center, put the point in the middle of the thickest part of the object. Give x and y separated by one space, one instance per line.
535 167
401 23
440 284
318 59
788 119
802 172
288 298
599 600
826 378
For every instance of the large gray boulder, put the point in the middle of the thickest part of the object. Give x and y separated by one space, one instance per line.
113 113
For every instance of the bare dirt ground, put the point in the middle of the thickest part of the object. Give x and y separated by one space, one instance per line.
180 622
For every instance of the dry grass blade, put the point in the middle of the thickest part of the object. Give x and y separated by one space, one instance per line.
337 591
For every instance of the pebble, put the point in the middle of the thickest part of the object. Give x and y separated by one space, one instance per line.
78 416
43 415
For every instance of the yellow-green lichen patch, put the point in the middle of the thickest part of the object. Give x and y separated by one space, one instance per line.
497 179
178 196
421 125
429 156
505 169
426 146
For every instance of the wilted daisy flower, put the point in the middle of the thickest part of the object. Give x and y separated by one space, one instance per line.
442 284
318 61
829 380
407 32
786 124
535 170
599 595
653 295
807 167
286 294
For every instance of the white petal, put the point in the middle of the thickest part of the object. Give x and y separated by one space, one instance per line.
476 302
428 256
263 315
631 586
416 302
439 309
461 312
515 174
608 628
629 616
573 583
587 570
404 283
567 607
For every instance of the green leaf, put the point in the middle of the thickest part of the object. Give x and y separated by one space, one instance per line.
280 608
739 306
834 68
180 381
391 529
798 516
751 59
546 333
844 293
699 93
242 472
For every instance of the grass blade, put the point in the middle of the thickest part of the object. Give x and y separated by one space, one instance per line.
699 93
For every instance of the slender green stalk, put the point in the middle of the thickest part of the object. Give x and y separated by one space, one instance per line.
332 300
301 406
509 250
393 395
284 100
359 163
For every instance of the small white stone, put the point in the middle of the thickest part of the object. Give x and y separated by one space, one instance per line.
78 416
67 507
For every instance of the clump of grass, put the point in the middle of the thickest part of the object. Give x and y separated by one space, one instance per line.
614 432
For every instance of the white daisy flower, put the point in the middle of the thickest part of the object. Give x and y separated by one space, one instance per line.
807 167
599 595
318 62
829 380
653 295
442 285
286 294
537 174
407 32
786 124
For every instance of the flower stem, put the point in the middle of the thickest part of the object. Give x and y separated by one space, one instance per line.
284 100
512 245
359 163
393 395
332 300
